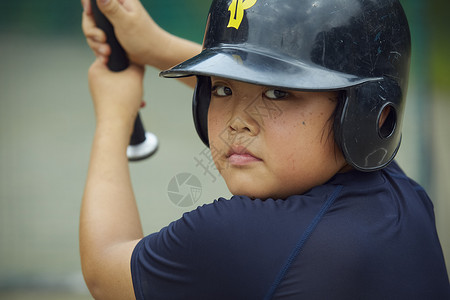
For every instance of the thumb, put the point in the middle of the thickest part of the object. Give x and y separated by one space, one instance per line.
112 9
131 5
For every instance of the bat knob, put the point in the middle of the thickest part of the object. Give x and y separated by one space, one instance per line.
143 150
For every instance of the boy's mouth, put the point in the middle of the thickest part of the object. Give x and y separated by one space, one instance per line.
240 156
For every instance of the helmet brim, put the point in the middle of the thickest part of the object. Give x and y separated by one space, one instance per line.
262 69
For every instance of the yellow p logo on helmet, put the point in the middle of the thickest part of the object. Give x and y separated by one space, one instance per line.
236 9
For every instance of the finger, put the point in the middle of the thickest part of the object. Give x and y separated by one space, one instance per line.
112 9
96 34
86 6
131 5
100 49
103 59
91 30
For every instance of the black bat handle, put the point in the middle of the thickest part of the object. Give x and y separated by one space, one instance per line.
142 144
118 60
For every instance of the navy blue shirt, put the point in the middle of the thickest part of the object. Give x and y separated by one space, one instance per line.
359 236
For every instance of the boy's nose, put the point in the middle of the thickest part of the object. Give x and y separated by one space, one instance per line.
241 120
239 125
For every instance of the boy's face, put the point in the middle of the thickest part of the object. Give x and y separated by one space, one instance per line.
271 143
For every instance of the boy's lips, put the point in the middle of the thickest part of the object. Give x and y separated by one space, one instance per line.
239 156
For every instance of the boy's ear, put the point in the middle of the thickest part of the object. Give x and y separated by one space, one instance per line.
384 115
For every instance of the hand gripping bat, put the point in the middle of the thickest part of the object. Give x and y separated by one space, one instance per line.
142 144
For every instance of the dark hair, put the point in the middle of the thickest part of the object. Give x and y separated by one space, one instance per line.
335 119
337 114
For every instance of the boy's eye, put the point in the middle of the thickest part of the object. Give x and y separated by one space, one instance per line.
276 94
221 91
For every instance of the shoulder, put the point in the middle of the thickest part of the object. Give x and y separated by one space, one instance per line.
403 187
386 187
384 205
376 232
395 174
385 197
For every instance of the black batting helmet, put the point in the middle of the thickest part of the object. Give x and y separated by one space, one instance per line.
360 47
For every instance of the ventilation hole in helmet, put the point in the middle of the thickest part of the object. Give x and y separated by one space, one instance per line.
387 124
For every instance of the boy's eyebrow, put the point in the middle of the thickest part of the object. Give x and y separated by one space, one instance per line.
219 79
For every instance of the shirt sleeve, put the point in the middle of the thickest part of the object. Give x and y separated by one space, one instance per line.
230 249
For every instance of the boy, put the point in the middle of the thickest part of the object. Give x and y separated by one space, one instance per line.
324 213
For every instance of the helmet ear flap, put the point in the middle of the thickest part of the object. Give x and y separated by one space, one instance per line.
369 138
200 106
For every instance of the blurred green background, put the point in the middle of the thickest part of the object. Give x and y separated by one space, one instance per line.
47 122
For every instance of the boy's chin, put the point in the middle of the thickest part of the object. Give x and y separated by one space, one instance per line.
258 186
262 191
239 191
253 193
